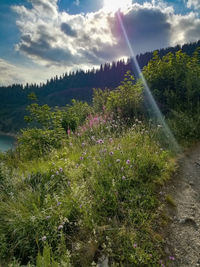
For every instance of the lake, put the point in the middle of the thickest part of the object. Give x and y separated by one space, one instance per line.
6 142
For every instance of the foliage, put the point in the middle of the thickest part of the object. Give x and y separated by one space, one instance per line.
175 81
124 101
76 114
34 143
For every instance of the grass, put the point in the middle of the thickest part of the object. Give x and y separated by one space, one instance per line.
94 197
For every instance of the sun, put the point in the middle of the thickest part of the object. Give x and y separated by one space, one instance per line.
114 5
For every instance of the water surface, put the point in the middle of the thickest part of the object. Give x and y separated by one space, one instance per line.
6 142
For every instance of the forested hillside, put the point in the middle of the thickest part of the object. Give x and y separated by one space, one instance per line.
59 91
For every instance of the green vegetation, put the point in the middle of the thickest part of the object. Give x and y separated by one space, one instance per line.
83 181
175 83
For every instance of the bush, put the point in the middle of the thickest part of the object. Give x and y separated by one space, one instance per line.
35 143
124 101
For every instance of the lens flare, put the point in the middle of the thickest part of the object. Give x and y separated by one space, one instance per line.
151 101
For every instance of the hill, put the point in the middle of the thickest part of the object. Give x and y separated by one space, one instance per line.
59 91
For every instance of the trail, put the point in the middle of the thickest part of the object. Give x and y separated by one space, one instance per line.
183 234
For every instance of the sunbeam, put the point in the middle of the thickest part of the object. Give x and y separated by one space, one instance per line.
159 116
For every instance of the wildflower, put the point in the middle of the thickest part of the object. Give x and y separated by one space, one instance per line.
171 258
61 169
57 172
68 183
118 160
100 141
81 158
48 217
122 168
110 139
123 177
58 203
105 150
81 206
135 245
84 153
60 227
44 238
70 144
128 161
111 153
83 144
52 175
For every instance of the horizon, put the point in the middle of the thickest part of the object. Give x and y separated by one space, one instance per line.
44 38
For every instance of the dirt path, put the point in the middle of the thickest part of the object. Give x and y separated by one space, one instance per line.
183 235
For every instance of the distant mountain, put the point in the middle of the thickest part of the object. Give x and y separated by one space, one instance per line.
59 91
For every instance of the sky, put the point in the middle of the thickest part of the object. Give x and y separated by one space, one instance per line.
43 38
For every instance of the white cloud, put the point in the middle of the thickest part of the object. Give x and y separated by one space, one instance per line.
11 73
59 40
185 28
193 4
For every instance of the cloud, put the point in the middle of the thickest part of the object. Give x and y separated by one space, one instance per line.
193 4
58 39
66 28
14 74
